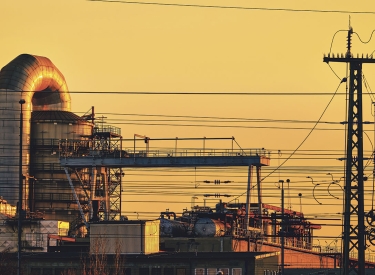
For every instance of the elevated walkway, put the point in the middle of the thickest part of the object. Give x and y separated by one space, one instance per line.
101 153
157 158
108 153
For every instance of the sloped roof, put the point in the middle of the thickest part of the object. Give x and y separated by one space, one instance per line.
55 116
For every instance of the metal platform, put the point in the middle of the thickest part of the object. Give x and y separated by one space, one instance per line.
250 157
99 157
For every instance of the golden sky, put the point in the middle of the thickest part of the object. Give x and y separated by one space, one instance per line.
117 47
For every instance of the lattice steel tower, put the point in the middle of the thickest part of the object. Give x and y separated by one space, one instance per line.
354 230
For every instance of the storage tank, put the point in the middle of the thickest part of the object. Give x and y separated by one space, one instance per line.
51 192
172 228
206 227
40 84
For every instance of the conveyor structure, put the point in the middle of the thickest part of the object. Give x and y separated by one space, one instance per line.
86 156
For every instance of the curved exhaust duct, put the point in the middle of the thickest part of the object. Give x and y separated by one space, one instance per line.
36 80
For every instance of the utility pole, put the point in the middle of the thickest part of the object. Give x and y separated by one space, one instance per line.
353 231
20 195
282 229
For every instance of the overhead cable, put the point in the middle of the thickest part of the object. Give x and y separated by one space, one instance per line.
233 7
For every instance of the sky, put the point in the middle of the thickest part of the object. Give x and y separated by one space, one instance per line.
273 56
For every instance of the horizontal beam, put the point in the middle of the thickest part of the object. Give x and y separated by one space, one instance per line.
184 161
328 59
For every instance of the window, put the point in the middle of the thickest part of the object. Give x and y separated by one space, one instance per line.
144 271
214 271
199 271
109 271
35 271
224 270
48 271
236 271
156 271
33 240
60 271
168 271
114 271
181 271
67 270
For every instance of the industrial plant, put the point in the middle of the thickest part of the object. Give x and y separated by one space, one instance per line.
61 183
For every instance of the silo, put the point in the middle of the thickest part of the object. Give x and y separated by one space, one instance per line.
51 192
37 81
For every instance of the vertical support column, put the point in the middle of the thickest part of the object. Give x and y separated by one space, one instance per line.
115 190
282 228
76 198
101 191
259 181
106 181
354 234
92 177
88 196
248 197
20 189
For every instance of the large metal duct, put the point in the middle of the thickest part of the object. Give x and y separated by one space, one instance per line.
36 80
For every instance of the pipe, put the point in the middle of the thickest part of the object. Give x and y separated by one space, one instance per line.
36 80
29 74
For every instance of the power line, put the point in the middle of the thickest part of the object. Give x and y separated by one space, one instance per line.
303 141
212 93
221 118
226 126
313 128
364 42
234 7
204 93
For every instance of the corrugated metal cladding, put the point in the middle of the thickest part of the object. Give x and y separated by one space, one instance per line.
55 116
129 237
31 73
51 193
37 81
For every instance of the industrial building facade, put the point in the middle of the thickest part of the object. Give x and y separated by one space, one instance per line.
184 263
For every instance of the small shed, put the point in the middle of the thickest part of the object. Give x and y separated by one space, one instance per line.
125 237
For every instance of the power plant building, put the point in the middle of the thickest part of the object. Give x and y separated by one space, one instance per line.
70 170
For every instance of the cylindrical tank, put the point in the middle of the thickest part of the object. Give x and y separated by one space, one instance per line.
267 230
206 227
36 80
172 228
51 192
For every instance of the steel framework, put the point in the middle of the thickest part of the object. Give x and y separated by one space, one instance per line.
353 231
106 160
